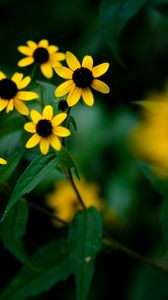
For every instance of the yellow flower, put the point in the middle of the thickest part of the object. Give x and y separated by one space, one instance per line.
11 94
2 161
149 139
64 202
80 78
47 56
46 129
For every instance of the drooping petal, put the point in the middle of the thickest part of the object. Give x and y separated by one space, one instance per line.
25 50
43 43
21 107
64 72
60 56
100 86
26 95
100 69
61 131
47 70
44 145
64 88
32 44
17 77
72 61
35 116
33 141
9 106
24 82
87 96
55 142
2 161
47 112
30 127
25 61
52 49
3 104
58 119
87 62
2 75
74 96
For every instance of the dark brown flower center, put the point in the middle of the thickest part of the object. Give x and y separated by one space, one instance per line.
41 55
44 128
8 89
82 77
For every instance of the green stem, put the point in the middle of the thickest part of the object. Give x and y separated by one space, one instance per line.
70 177
33 73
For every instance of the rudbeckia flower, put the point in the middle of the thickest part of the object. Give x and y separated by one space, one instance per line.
80 79
11 94
46 129
2 161
47 56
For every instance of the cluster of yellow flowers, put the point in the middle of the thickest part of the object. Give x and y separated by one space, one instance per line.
80 78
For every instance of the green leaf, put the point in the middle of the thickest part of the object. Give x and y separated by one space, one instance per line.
52 260
7 170
12 230
71 120
66 161
114 17
31 177
85 242
46 92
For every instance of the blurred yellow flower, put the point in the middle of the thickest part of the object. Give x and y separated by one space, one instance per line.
11 94
2 161
64 202
80 78
149 139
47 56
46 129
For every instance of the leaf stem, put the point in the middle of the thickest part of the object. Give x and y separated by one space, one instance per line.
70 177
115 245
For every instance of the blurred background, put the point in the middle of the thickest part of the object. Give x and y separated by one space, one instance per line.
99 147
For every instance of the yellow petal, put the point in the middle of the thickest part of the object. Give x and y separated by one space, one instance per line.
26 50
24 82
74 96
87 62
25 61
47 112
43 43
58 119
26 96
100 86
21 107
100 70
64 72
32 44
35 116
87 96
44 145
3 104
72 61
55 142
64 88
52 49
30 127
60 56
17 77
3 161
33 141
47 70
9 106
55 58
61 131
2 75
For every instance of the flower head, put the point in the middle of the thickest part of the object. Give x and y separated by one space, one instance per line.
80 78
47 56
11 94
2 161
46 129
64 202
149 138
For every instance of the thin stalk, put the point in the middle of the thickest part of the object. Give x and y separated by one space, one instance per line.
70 177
